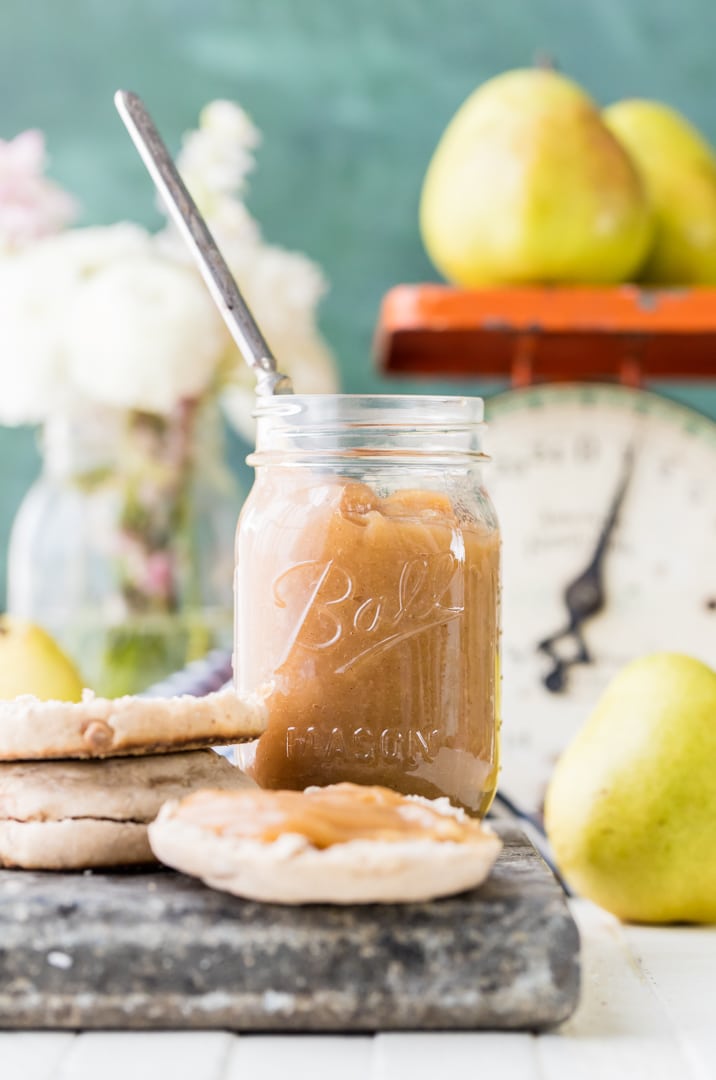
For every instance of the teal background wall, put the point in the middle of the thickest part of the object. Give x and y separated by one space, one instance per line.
351 99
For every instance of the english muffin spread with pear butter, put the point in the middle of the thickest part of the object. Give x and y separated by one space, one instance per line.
341 844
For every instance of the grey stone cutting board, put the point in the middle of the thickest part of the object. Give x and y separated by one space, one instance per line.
159 950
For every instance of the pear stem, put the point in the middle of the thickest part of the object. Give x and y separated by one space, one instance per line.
544 61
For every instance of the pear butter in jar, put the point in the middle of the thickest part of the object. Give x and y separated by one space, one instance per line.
367 597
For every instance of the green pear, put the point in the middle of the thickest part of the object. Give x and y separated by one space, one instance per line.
631 807
528 185
678 167
31 662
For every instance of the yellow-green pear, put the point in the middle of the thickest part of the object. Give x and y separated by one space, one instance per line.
631 808
527 184
678 167
31 662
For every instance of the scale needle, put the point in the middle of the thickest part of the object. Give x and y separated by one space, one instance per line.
585 596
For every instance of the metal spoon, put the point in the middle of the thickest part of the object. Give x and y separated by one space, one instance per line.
219 279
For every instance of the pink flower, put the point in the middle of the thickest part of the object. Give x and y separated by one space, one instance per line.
159 574
31 206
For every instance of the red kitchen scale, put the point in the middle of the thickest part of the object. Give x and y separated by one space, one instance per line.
606 491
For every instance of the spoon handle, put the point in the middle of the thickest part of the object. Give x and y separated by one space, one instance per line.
195 232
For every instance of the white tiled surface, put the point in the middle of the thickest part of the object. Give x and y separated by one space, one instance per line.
648 1010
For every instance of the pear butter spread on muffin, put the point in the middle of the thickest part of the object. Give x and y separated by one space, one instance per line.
341 844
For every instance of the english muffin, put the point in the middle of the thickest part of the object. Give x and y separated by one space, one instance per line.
342 844
95 727
69 815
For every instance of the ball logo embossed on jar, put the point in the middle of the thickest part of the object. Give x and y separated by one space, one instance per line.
336 608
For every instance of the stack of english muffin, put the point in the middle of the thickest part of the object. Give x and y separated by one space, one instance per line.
80 783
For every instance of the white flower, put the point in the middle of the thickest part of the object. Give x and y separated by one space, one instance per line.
285 285
143 333
231 226
31 206
103 314
38 285
216 158
74 255
282 289
32 380
120 317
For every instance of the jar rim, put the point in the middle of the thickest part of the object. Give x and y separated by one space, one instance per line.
442 411
385 428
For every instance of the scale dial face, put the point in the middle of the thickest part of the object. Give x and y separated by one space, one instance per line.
560 456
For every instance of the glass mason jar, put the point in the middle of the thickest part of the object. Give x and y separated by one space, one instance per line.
123 547
367 596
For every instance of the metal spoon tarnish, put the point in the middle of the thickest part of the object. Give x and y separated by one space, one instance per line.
211 263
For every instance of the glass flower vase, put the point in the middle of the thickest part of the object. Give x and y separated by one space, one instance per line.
123 547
